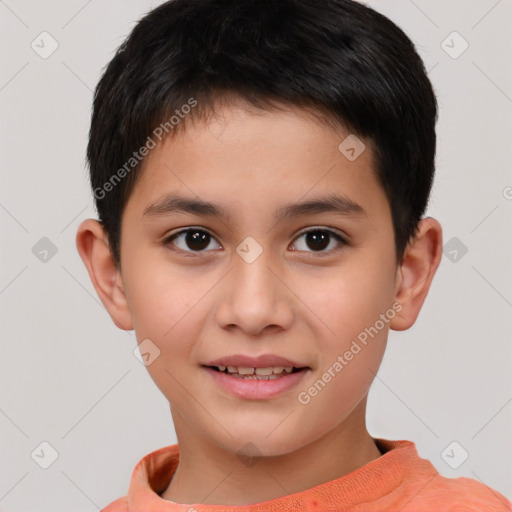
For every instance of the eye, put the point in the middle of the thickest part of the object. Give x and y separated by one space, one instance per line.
191 240
318 239
196 240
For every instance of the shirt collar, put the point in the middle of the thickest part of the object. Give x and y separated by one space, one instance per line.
369 482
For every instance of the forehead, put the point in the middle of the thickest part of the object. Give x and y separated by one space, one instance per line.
243 157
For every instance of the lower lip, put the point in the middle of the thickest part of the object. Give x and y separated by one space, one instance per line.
256 389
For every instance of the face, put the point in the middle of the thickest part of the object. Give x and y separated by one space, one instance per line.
315 286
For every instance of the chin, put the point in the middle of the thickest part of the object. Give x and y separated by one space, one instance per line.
269 443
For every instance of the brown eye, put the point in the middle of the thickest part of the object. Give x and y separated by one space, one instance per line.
318 240
191 240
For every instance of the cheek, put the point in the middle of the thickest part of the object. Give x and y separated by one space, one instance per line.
350 305
168 313
167 308
161 296
350 298
349 358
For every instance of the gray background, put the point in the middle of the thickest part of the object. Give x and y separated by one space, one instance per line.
69 376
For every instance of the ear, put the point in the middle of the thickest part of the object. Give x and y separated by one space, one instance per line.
414 275
93 247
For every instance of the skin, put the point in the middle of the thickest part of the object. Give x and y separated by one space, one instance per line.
294 301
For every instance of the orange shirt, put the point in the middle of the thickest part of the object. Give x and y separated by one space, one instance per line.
399 480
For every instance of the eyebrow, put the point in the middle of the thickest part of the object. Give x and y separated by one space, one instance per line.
334 203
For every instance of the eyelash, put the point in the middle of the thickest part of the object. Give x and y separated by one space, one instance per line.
168 240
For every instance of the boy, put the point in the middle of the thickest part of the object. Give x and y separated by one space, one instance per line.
260 170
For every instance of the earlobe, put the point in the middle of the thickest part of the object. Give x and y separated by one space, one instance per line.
414 276
92 245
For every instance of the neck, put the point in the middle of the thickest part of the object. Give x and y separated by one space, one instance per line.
210 474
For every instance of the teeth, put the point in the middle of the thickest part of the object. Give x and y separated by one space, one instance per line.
271 371
264 371
254 377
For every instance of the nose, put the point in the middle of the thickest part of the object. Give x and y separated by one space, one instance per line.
254 298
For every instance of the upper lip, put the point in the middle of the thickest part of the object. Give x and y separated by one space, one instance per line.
263 361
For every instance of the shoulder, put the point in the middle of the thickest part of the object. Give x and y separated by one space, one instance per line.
424 489
464 494
119 505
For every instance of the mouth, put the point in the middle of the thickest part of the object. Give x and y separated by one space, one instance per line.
256 383
256 378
